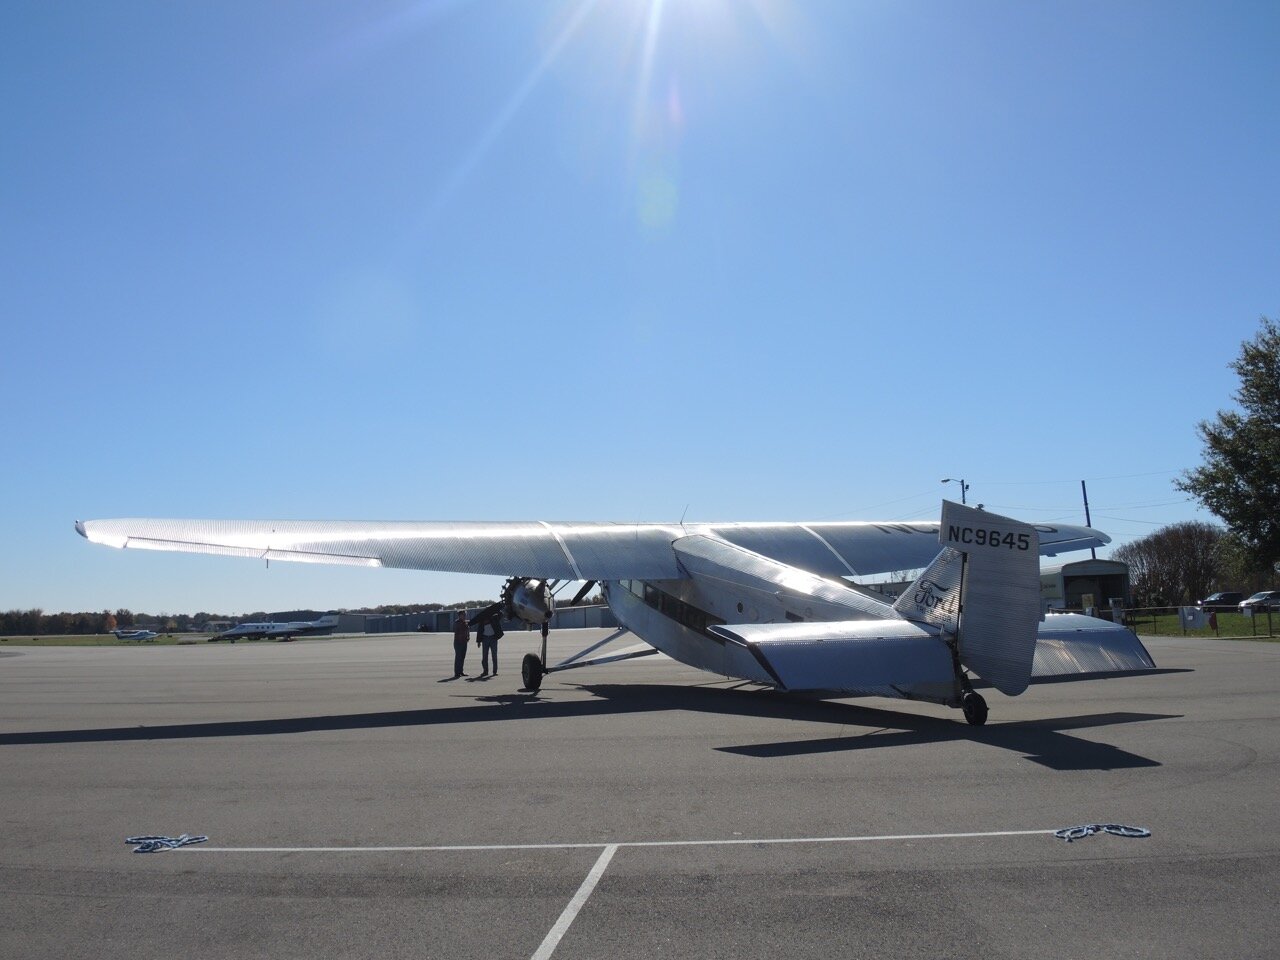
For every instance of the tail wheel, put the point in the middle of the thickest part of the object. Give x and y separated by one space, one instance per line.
531 671
975 709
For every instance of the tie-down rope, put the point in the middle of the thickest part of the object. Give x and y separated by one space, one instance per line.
152 844
1089 829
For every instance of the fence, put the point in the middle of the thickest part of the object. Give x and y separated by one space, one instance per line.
1167 622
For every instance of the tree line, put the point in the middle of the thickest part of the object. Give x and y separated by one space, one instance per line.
1185 562
36 623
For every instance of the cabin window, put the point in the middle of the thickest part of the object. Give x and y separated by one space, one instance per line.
676 609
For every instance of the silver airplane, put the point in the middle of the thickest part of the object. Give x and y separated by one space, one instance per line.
773 603
279 631
138 635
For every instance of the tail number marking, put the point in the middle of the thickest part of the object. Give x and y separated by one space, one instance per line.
982 537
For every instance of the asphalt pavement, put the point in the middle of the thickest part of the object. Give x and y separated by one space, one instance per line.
360 803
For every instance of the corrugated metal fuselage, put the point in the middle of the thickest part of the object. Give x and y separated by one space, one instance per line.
678 617
834 646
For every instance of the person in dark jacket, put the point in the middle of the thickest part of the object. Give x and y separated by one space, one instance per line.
461 634
487 634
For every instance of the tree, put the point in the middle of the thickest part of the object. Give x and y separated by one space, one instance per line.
1175 564
1239 480
31 621
1193 549
1148 575
1235 567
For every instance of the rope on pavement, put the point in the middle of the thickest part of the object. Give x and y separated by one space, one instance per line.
152 844
1089 829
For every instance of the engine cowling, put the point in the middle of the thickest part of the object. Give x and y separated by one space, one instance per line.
528 600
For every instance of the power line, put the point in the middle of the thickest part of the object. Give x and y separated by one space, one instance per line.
1153 523
1032 483
1140 505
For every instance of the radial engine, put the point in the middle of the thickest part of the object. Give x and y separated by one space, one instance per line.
528 600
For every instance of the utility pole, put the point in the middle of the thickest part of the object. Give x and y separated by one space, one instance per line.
963 486
1088 522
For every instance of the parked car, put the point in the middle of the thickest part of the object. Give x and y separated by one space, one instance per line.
1224 601
1266 600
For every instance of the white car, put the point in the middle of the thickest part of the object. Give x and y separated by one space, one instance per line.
1265 600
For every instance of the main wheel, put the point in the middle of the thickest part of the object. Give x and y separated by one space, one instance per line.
531 671
975 709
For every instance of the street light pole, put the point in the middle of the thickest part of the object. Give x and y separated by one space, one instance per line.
963 486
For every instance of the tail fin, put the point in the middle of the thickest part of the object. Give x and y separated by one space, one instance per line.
935 596
984 587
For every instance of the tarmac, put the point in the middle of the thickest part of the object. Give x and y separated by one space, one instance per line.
358 803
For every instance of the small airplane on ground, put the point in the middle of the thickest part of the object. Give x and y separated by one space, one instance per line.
773 603
138 635
279 631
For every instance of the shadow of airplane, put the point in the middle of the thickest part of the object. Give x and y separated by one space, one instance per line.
1042 741
1045 742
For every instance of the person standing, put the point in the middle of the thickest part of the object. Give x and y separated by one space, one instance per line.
461 634
487 635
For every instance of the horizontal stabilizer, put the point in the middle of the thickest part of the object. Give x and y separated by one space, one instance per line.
1070 644
865 657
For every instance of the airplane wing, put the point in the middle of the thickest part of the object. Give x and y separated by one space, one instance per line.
560 550
567 551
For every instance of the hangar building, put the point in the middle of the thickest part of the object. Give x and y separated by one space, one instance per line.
1068 585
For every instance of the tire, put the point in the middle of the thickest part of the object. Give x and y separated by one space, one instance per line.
975 709
531 672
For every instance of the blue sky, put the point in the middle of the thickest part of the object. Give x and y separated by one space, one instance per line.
612 260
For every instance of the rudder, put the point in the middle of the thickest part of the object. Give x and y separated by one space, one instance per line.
999 596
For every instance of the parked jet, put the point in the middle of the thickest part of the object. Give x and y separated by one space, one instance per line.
279 631
771 603
138 635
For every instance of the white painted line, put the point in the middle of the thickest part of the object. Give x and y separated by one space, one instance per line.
898 836
736 841
552 938
408 849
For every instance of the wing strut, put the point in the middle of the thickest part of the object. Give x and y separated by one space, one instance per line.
591 649
533 668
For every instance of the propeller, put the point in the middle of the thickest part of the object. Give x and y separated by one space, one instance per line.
486 613
578 597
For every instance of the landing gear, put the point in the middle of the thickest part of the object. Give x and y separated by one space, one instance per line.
971 704
532 670
975 709
533 667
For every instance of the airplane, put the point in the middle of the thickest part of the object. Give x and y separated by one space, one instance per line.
279 631
774 603
138 635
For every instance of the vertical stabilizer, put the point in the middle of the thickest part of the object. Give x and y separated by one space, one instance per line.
935 596
1000 594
